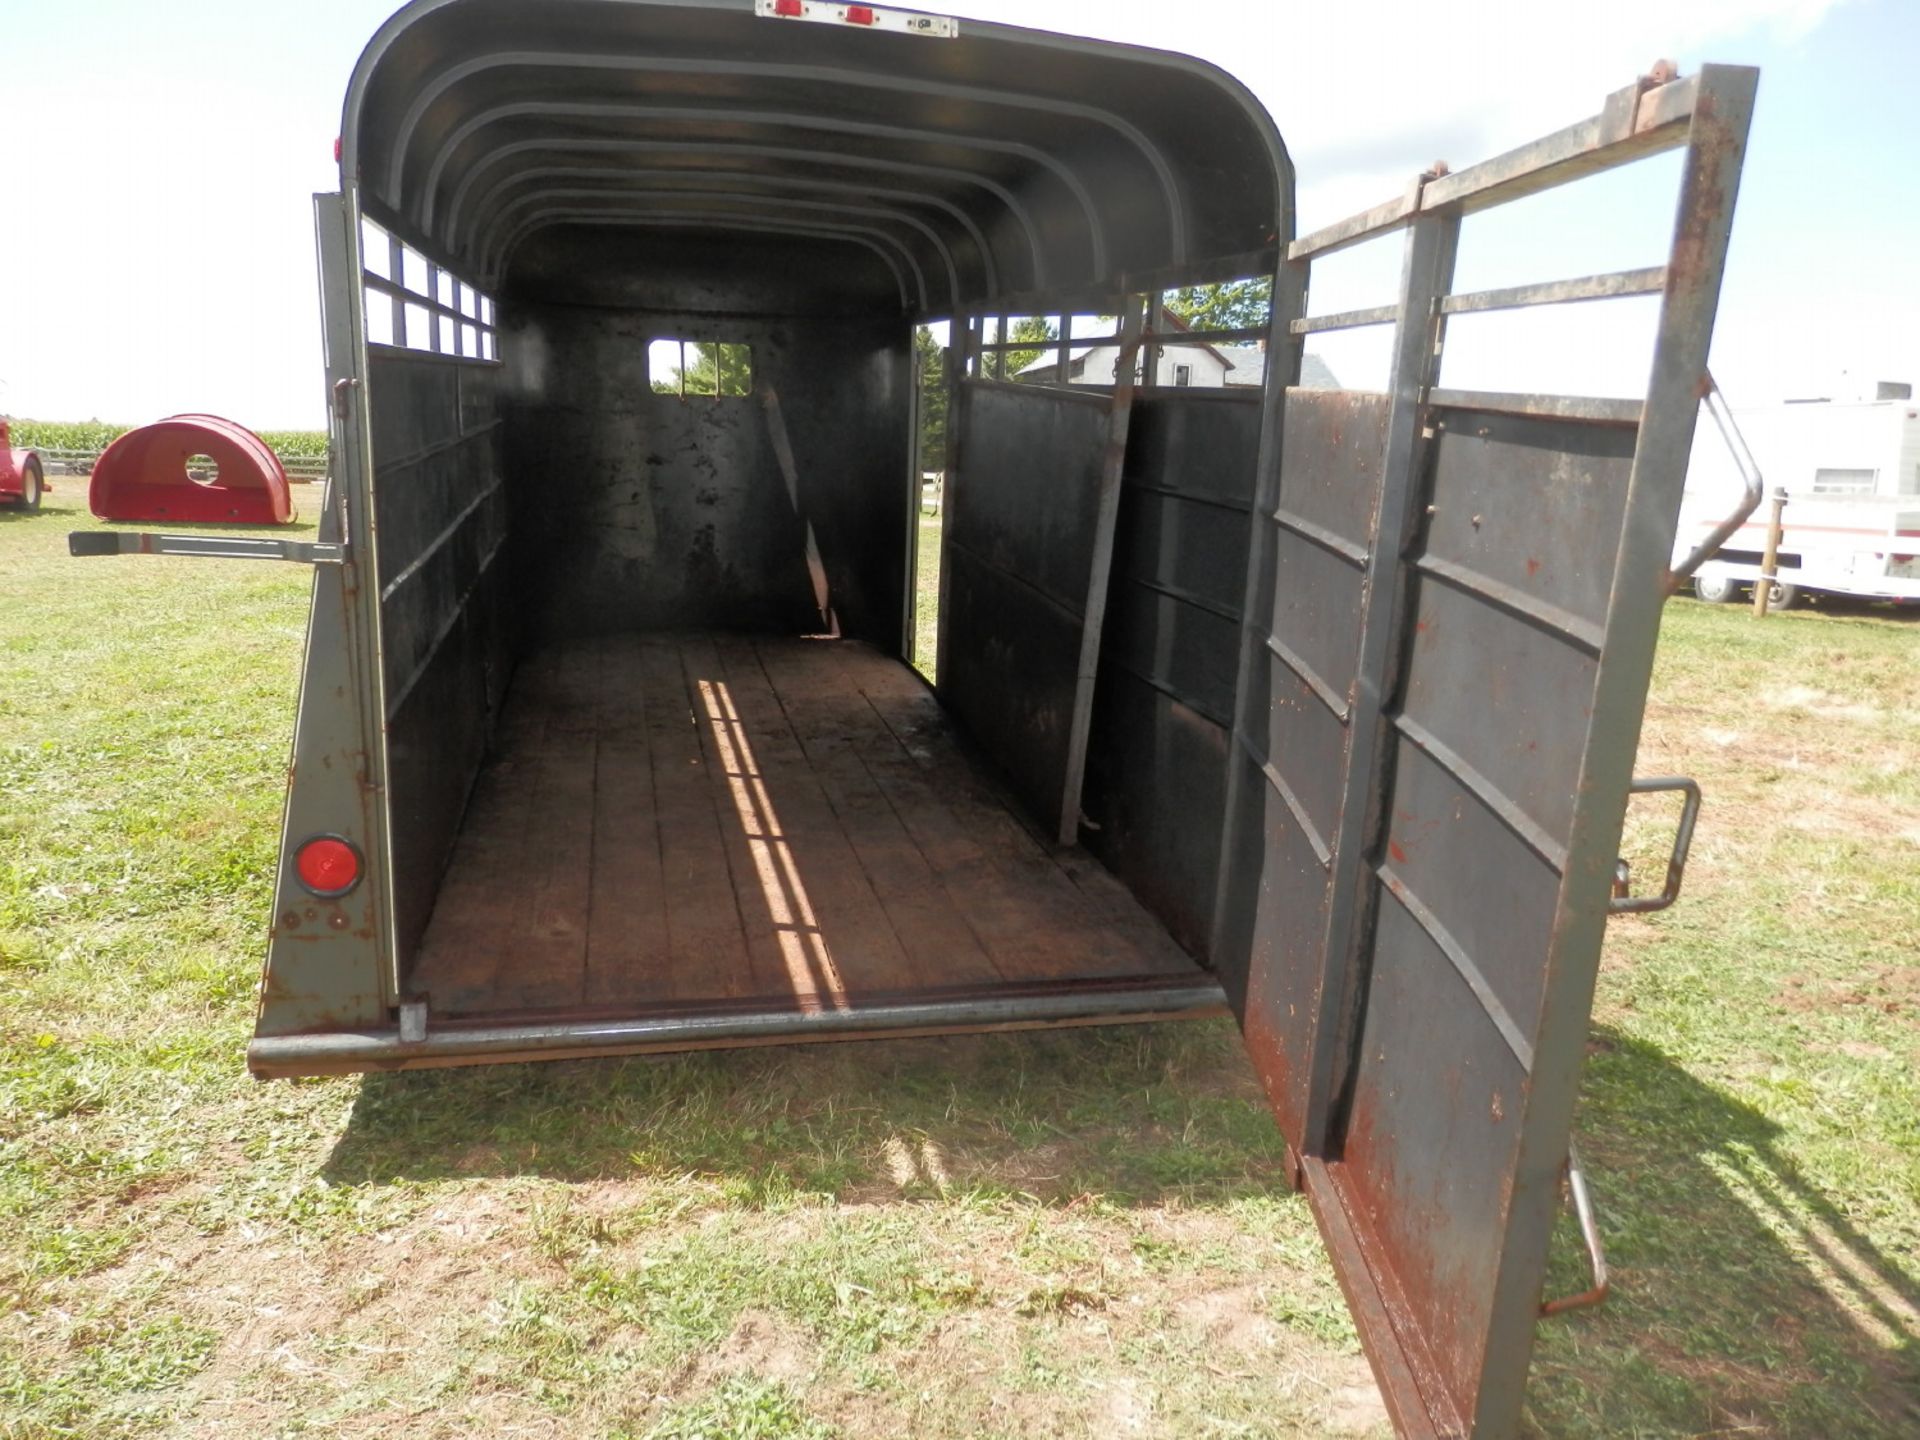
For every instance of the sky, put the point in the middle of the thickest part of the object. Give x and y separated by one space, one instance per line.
158 256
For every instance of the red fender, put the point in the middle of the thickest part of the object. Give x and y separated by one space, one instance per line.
143 475
13 479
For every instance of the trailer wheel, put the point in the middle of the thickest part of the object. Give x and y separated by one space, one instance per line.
1716 587
31 486
1782 596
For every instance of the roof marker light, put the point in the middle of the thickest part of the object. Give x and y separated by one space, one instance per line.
871 17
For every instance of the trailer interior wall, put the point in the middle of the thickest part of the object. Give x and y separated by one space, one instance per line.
640 510
619 174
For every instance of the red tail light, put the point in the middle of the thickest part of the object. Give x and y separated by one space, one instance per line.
328 866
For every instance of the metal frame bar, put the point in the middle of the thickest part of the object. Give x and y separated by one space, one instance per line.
790 120
1432 241
341 227
352 1050
1106 522
1639 120
760 204
1252 684
1162 339
1322 851
1599 409
839 187
829 77
1614 285
212 547
960 340
401 297
450 229
1346 320
864 235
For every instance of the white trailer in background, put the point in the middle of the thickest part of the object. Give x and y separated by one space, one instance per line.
1851 470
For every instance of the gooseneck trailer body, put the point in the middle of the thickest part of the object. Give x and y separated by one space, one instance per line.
1317 707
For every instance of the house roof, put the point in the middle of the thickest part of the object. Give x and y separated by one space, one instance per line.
1246 364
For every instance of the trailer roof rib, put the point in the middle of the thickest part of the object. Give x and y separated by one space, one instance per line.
978 171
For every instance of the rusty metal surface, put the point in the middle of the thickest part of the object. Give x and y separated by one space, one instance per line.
1320 534
1521 615
634 510
1135 316
350 1050
1158 755
1018 548
329 962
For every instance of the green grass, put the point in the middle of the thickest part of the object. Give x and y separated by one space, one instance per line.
1064 1233
926 599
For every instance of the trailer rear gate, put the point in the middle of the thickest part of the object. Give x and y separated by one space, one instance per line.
1320 706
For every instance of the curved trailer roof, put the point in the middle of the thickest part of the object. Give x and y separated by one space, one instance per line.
996 166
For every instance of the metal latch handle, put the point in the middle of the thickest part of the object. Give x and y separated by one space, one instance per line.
1625 904
1597 1291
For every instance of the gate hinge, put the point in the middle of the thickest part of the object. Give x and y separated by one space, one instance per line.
343 389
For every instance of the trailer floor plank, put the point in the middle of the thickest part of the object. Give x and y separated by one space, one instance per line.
788 823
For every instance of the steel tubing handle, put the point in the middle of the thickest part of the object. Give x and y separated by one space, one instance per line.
1716 402
1682 844
1596 1292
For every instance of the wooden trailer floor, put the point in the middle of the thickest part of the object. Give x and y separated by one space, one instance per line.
787 823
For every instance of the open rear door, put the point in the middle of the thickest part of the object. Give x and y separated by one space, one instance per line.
1452 615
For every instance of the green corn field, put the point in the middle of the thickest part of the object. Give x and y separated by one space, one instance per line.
96 435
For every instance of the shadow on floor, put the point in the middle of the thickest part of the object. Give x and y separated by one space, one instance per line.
1743 1297
1134 1114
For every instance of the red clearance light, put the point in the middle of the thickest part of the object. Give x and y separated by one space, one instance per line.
859 14
789 9
328 866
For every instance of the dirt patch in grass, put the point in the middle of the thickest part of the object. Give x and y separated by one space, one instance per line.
761 1345
1891 989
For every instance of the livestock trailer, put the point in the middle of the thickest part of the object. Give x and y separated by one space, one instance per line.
1317 707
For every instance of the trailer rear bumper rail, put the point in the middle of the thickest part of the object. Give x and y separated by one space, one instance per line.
351 1051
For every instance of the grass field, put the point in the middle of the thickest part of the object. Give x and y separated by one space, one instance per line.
1065 1234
